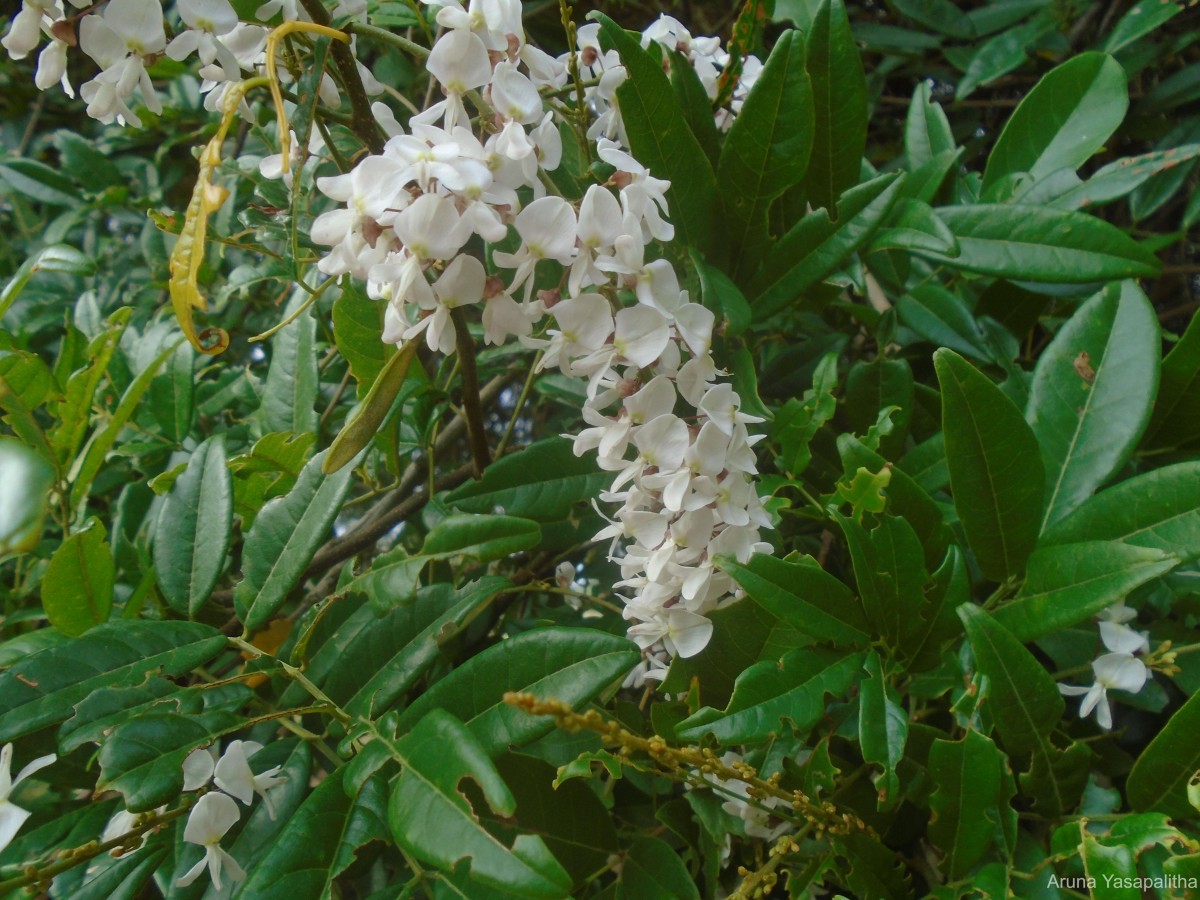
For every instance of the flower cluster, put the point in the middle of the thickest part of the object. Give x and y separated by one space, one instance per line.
1120 669
410 225
658 415
216 812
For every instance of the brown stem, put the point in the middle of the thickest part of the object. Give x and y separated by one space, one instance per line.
362 119
481 456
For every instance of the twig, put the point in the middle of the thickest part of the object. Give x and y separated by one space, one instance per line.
481 457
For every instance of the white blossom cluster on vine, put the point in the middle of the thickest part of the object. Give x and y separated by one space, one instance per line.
658 413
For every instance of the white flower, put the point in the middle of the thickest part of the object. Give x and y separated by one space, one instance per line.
207 823
119 40
12 817
234 776
1113 671
198 768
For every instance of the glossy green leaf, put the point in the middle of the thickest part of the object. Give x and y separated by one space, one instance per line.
74 411
1000 54
940 15
569 664
1159 509
105 708
767 149
1091 396
77 588
1160 776
319 841
543 482
194 530
967 775
431 819
889 568
284 538
800 593
480 537
368 418
882 732
722 296
816 245
143 757
995 468
1113 867
290 390
1067 117
942 318
913 225
1138 21
697 108
55 258
90 461
652 869
1023 698
395 648
1121 177
839 88
1034 243
39 182
1175 420
25 481
661 140
172 392
357 331
1069 583
770 696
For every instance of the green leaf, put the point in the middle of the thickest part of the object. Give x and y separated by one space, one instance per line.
697 107
1121 177
943 318
1111 866
357 328
290 390
816 246
431 819
367 419
1039 244
889 569
1160 776
1138 21
39 182
770 693
882 731
995 467
1159 509
78 585
543 482
569 664
55 258
480 537
194 530
940 15
1069 583
74 411
872 387
651 869
801 594
839 88
967 775
661 140
1003 52
320 841
284 538
913 225
88 464
395 649
25 481
103 709
722 296
1175 420
143 757
25 383
1023 698
927 134
1092 391
171 394
1069 115
767 149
